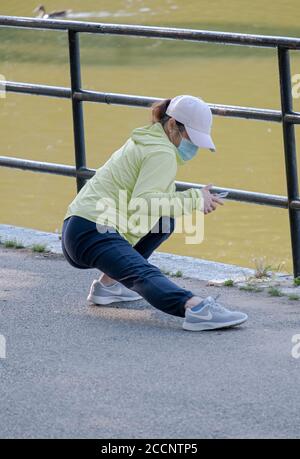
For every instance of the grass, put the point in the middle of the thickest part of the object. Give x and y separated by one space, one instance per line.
13 243
273 291
228 283
170 273
293 296
263 270
39 248
251 288
297 281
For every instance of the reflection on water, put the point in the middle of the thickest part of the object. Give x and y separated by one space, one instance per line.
250 154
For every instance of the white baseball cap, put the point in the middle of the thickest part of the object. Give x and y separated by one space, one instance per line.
196 116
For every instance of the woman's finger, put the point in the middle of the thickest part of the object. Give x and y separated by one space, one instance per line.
212 204
218 200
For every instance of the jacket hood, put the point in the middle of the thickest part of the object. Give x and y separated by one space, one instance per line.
154 134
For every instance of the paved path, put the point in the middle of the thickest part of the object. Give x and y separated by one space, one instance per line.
129 371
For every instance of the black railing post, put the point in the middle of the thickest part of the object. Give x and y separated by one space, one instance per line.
290 153
78 123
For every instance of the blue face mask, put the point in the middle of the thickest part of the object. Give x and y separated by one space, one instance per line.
187 150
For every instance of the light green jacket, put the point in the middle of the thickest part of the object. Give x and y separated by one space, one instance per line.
144 167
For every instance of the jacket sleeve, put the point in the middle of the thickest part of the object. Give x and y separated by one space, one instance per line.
155 179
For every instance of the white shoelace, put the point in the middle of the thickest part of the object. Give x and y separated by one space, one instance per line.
216 305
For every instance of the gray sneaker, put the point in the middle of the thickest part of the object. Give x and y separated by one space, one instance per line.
210 315
102 294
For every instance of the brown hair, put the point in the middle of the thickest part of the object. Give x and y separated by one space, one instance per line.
159 114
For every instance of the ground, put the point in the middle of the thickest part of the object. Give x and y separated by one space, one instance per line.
130 371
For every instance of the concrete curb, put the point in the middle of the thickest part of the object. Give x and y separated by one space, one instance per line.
29 237
215 273
194 268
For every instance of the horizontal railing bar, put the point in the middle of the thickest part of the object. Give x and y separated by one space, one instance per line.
293 118
230 38
70 171
251 197
38 166
114 98
217 109
260 114
37 89
140 101
295 204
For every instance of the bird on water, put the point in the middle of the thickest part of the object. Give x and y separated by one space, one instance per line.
41 13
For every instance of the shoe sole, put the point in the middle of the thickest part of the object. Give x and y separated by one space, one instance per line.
102 300
190 326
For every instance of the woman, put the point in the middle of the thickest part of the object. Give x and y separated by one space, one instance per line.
100 229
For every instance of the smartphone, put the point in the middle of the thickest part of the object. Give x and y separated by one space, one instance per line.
222 195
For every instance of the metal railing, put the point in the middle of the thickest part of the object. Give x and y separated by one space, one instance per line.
78 95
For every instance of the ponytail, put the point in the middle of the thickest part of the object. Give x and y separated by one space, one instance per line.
159 114
159 111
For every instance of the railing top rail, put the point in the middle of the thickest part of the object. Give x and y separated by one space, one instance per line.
140 101
220 37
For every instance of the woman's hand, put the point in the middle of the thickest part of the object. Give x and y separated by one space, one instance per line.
210 200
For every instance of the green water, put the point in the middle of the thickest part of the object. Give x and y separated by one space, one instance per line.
250 153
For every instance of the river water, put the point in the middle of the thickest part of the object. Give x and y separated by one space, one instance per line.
249 153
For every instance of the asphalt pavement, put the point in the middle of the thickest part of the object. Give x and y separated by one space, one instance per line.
129 371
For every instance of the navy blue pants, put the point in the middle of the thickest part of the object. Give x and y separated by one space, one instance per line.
85 247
